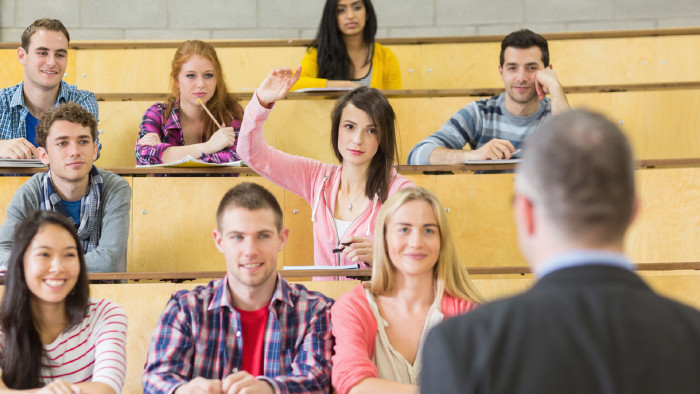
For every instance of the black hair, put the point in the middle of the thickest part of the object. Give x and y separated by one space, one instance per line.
21 357
333 60
523 39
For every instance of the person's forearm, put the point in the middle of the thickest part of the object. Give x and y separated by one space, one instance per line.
558 100
441 155
174 153
376 385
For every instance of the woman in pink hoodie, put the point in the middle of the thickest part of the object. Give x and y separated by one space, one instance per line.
417 281
344 198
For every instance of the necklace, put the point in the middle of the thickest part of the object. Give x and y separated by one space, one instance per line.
351 202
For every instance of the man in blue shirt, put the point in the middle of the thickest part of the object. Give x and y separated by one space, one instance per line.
44 55
589 324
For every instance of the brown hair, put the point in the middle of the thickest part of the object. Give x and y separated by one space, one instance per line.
376 105
450 275
524 39
45 24
578 168
69 111
250 196
222 105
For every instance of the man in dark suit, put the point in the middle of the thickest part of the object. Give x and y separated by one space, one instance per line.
590 324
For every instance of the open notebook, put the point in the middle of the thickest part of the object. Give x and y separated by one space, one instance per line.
190 161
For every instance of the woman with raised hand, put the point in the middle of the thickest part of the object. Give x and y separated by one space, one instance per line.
345 198
344 53
417 281
181 127
53 337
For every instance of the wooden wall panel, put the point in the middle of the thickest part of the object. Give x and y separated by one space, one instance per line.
8 186
174 218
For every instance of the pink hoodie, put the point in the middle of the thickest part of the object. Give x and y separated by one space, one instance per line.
315 182
355 331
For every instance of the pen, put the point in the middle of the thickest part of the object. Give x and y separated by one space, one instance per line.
338 250
515 152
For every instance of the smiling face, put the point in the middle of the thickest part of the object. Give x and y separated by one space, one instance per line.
518 73
352 17
358 141
196 80
51 265
249 241
44 60
412 237
69 152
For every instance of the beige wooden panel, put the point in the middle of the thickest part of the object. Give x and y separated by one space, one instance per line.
173 221
660 124
302 127
481 218
148 70
297 218
12 72
8 186
119 129
605 61
667 228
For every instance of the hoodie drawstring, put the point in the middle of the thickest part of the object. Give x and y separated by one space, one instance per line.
318 198
371 215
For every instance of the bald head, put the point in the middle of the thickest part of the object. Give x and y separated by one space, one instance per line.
578 171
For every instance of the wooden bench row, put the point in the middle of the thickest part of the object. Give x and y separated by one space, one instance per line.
680 285
462 62
172 219
661 124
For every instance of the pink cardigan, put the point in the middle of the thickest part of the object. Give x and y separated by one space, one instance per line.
315 182
355 331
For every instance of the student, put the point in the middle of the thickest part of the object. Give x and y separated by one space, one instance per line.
589 324
344 53
180 127
344 198
44 55
417 281
251 330
96 201
494 128
52 335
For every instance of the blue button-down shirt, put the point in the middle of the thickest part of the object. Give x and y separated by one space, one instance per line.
577 258
13 112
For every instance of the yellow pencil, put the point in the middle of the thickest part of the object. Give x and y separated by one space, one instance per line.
221 126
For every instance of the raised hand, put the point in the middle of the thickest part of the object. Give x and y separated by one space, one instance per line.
277 84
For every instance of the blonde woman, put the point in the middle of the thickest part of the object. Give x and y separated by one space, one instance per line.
417 281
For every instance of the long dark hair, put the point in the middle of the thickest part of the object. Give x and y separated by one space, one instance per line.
21 358
222 105
333 60
377 107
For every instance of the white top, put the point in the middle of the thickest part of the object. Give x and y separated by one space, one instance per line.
391 365
341 226
92 351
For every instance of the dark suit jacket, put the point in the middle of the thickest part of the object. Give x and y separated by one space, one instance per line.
592 329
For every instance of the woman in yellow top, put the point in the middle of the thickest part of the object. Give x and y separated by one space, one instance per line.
344 53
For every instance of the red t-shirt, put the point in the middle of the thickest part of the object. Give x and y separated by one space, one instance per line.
253 325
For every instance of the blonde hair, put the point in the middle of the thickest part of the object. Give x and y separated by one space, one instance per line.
450 275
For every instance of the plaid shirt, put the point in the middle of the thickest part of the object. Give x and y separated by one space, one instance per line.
13 112
170 134
199 334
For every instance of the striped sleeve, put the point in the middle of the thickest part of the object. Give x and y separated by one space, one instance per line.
110 345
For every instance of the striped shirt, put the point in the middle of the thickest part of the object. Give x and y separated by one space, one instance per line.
478 123
13 112
170 134
199 334
92 351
